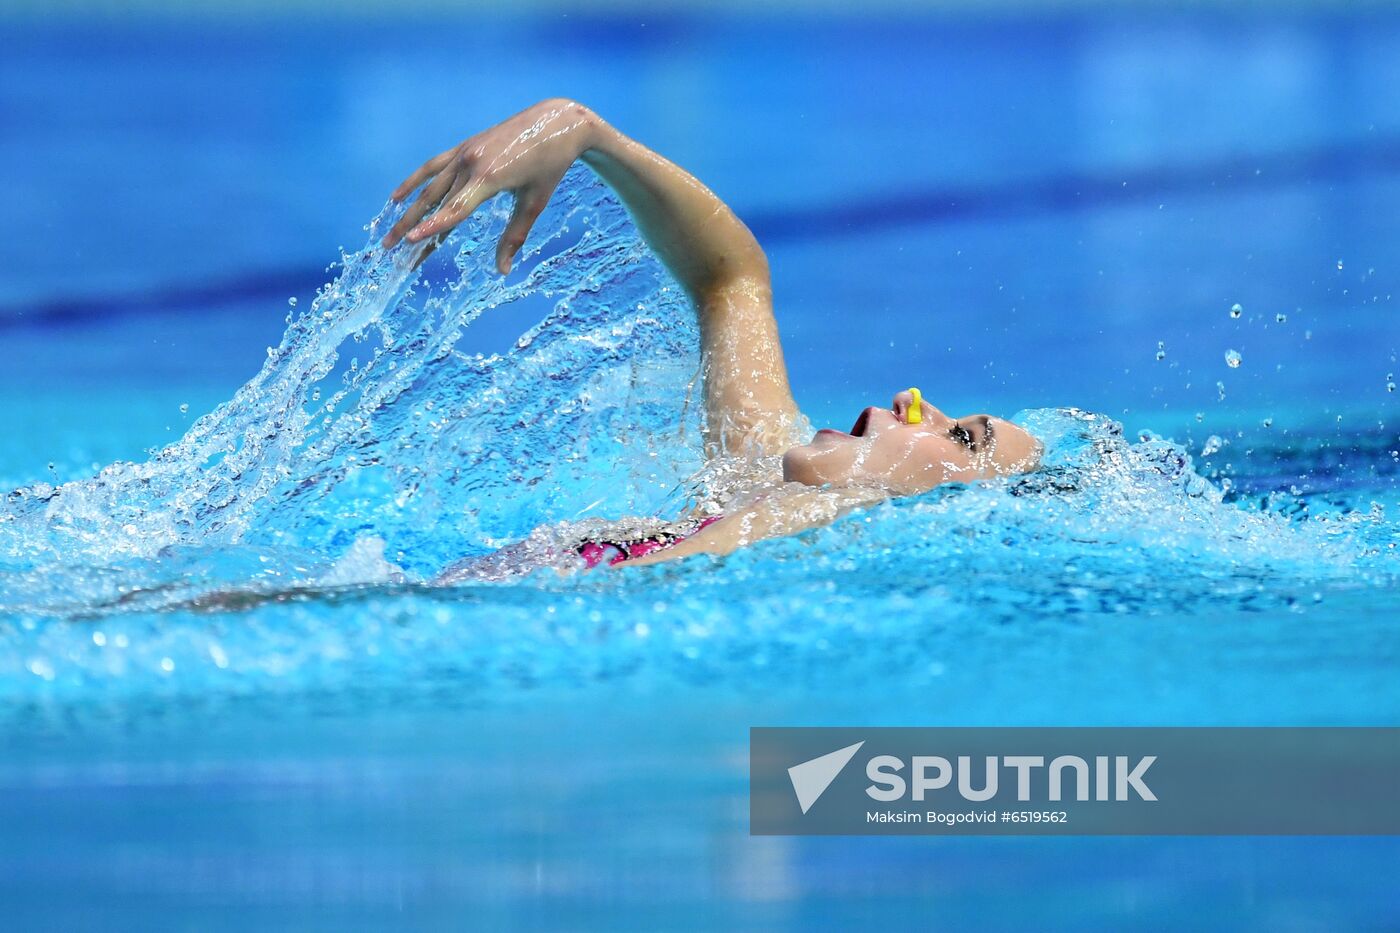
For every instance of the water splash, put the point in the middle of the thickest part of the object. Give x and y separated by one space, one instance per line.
1109 526
369 418
250 556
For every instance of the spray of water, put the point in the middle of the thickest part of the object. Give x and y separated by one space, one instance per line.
370 418
251 554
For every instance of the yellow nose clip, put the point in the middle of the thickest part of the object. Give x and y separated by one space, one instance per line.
915 415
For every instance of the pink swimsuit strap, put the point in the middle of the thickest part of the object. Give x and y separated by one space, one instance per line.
616 552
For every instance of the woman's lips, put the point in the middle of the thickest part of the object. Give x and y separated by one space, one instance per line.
861 424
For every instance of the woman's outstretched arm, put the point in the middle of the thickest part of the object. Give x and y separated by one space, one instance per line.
749 405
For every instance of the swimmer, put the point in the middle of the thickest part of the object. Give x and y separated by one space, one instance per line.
901 449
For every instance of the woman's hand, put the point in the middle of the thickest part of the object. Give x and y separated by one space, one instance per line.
526 155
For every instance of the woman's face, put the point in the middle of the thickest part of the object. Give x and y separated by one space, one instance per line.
885 449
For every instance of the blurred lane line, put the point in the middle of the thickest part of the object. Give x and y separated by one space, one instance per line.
1055 194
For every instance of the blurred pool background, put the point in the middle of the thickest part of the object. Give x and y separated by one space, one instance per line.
1015 207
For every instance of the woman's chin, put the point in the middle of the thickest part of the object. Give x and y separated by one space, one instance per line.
798 468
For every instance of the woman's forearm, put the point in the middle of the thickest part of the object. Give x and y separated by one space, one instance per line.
719 263
771 517
706 247
697 236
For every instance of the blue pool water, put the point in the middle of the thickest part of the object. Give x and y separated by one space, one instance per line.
221 708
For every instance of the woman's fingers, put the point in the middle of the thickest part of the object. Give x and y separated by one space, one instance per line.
431 197
425 171
528 204
456 208
428 249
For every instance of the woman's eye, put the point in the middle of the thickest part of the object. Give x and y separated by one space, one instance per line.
961 435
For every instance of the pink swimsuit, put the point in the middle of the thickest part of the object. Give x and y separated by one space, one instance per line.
616 552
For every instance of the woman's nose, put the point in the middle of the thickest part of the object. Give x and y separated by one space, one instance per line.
904 400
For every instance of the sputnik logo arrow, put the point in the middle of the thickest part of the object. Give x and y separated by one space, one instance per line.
811 778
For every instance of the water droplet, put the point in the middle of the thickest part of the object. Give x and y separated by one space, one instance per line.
1339 265
1281 317
1233 359
184 408
167 665
1236 310
1220 387
99 639
1390 382
292 301
39 667
1200 416
1213 445
1268 422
